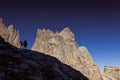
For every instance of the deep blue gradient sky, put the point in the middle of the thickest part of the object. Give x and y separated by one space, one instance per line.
96 25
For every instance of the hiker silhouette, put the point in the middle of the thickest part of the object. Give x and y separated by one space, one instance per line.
25 44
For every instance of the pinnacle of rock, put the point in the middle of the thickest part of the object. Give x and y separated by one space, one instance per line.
2 25
64 47
50 45
67 34
10 34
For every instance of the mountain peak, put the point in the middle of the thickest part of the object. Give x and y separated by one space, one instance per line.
2 25
66 29
64 47
10 34
11 27
67 34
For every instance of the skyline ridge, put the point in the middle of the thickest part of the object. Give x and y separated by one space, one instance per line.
66 28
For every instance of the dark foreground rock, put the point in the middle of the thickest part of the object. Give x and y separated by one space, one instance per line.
19 64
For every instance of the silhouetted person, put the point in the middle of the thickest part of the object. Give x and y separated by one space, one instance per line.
25 44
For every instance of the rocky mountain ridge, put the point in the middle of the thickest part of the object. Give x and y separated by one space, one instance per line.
61 45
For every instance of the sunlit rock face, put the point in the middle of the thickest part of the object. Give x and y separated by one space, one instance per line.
111 73
63 46
55 44
10 34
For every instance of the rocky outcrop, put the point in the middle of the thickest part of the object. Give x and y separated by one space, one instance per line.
112 73
62 45
20 64
54 44
82 61
107 77
10 34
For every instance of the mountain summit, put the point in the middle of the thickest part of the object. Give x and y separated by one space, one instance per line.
56 56
63 46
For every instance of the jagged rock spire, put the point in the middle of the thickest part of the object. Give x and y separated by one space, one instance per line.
64 47
67 34
10 34
2 25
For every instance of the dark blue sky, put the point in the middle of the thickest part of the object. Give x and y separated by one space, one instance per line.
96 24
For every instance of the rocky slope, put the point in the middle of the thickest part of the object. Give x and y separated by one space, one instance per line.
111 73
62 45
10 34
20 64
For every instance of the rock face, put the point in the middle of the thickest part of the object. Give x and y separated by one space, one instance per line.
10 34
20 64
62 45
113 73
55 44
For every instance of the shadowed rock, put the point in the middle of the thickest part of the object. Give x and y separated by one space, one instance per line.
20 64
